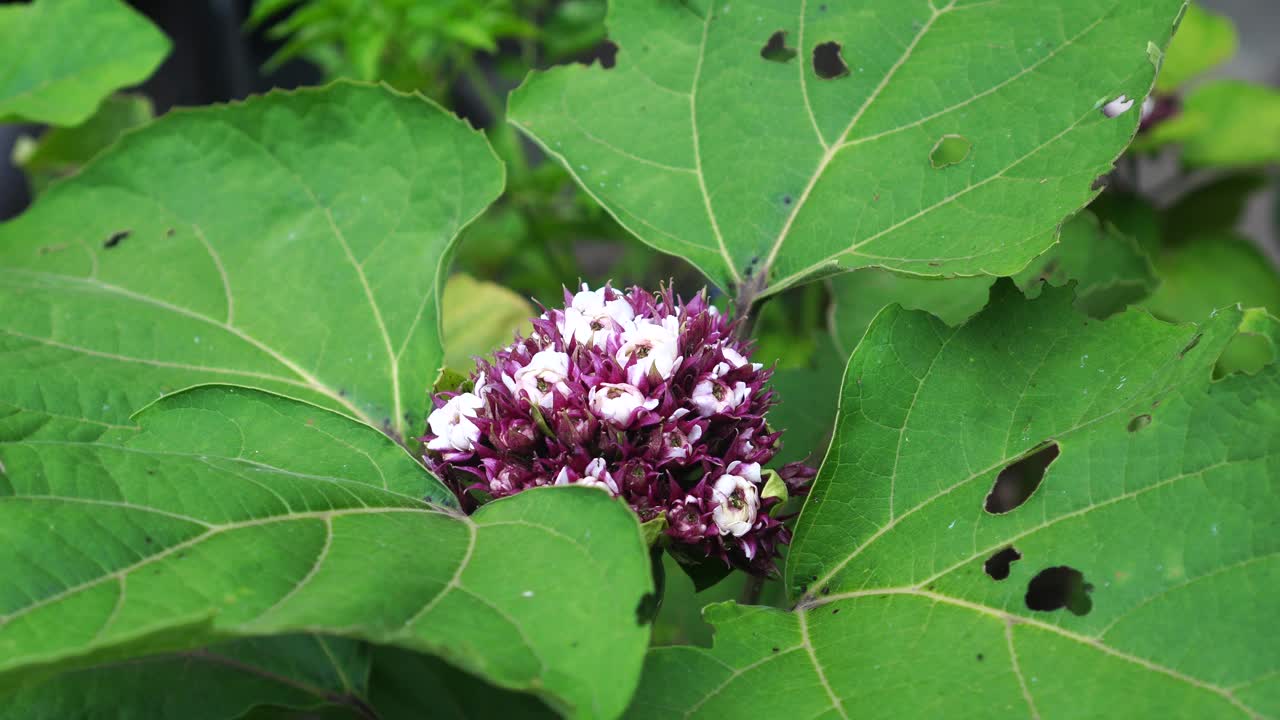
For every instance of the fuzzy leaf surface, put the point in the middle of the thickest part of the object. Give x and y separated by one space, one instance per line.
1163 497
233 512
295 242
766 167
60 58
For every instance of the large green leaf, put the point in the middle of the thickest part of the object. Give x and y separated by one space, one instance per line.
221 682
233 512
1164 497
295 242
709 141
60 58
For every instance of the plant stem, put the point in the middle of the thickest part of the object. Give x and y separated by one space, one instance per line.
751 591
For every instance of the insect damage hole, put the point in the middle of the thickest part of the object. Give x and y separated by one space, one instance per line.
1139 422
607 53
827 62
776 50
1117 107
1059 587
116 239
997 566
1019 480
949 150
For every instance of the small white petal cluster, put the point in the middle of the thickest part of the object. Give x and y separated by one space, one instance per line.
591 319
737 498
618 402
545 373
595 476
655 347
451 424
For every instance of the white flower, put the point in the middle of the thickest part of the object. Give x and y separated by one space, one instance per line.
653 347
732 361
1117 107
738 499
618 402
596 476
590 318
451 424
546 371
712 396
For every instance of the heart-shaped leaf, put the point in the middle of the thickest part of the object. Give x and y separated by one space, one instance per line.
233 512
295 242
60 58
940 570
772 143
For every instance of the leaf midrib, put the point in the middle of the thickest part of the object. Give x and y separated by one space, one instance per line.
830 150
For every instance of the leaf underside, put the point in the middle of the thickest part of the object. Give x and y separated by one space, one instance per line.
233 512
764 173
914 600
221 682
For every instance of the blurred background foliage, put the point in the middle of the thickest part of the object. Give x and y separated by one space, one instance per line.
1185 224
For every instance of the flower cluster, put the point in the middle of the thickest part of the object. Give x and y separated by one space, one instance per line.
643 395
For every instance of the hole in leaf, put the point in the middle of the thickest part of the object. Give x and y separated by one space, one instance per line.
827 62
1059 587
776 50
949 150
1117 107
1019 480
997 566
980 657
1139 422
116 239
1189 346
607 51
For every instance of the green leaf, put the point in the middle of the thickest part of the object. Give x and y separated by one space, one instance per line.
480 317
410 686
1109 269
856 298
764 174
1204 41
1164 497
1227 123
220 682
1212 271
233 512
60 58
62 151
295 242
